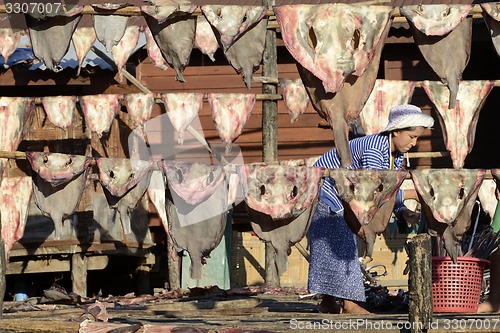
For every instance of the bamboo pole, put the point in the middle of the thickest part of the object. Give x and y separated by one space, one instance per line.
14 155
20 155
258 97
487 175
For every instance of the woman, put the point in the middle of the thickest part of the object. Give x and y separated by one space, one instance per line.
334 269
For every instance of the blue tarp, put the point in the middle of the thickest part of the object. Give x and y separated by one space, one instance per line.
24 54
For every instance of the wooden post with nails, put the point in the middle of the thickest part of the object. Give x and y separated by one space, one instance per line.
270 130
420 283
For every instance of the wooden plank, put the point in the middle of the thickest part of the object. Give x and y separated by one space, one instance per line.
204 83
206 111
14 75
399 40
58 247
147 69
255 123
23 325
95 263
255 148
143 279
17 78
39 265
284 135
42 129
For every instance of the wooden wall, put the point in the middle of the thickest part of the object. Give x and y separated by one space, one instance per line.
298 140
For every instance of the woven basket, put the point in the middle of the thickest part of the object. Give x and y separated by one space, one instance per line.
457 287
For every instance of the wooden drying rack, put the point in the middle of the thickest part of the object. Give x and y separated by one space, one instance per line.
269 81
476 12
19 155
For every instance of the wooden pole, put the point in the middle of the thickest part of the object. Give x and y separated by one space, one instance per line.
420 282
79 263
270 129
174 269
303 251
3 269
142 274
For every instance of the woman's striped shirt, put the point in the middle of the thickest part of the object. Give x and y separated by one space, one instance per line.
368 152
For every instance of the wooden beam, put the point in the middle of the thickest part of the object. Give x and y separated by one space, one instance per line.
79 264
303 251
173 267
59 247
270 131
40 265
43 78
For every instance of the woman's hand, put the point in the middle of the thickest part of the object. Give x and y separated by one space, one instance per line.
411 217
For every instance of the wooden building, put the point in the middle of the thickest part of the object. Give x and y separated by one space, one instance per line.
308 136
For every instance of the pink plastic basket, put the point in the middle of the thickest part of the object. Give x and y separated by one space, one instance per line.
457 287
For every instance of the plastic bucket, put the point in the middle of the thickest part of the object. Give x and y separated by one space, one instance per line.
457 287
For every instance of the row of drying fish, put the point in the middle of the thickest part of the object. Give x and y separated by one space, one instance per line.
348 50
193 208
240 31
231 112
171 33
436 28
458 124
280 198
